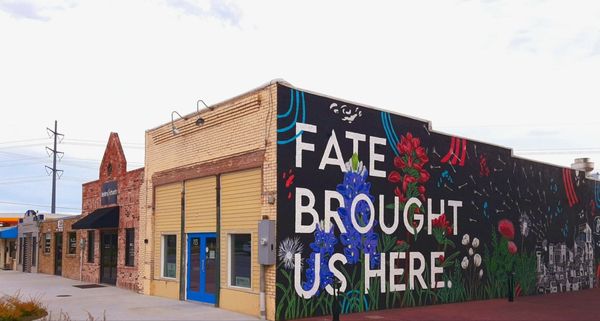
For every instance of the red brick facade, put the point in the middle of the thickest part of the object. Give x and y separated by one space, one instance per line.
114 168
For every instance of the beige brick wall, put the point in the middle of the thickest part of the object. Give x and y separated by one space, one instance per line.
241 125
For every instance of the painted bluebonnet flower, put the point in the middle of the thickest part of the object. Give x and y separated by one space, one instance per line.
324 244
355 183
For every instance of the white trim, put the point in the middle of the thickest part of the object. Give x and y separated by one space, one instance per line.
162 256
229 280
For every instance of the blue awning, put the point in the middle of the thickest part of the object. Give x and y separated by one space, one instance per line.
8 233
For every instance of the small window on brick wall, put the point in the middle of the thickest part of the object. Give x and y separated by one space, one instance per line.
109 169
72 242
47 238
129 247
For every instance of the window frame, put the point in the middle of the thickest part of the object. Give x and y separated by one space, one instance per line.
163 253
47 243
91 246
69 243
130 252
230 242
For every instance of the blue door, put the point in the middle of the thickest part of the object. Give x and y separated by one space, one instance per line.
202 267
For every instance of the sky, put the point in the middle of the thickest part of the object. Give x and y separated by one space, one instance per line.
520 74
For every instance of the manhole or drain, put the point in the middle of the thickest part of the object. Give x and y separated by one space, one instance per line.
63 295
89 286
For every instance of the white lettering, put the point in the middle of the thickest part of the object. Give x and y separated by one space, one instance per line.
373 157
301 209
300 145
337 159
362 229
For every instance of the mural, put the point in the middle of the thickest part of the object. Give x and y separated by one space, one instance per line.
399 216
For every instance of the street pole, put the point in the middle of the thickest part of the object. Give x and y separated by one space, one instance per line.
55 133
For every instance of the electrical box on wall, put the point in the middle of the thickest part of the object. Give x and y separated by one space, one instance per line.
266 242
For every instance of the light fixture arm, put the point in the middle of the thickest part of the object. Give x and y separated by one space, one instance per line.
203 103
173 128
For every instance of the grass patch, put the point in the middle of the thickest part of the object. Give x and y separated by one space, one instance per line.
15 308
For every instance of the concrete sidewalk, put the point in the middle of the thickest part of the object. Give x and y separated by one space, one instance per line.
116 304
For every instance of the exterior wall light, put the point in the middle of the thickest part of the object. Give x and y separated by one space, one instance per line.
200 120
174 129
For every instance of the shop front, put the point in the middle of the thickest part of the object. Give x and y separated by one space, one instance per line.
211 181
8 247
27 237
109 225
60 248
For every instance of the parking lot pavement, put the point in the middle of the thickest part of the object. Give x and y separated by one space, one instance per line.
106 302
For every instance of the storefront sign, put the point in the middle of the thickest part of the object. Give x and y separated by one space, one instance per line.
398 215
59 225
109 194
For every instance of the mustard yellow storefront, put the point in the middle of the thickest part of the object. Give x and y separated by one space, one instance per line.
207 188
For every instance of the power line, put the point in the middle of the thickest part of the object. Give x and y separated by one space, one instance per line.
39 205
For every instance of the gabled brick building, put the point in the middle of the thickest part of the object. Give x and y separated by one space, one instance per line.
110 221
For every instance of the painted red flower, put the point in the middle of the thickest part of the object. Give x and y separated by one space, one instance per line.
441 258
512 247
424 176
400 242
449 230
400 195
408 179
440 221
394 177
422 155
399 162
421 189
507 229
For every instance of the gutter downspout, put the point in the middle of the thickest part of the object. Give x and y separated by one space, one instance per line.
182 247
218 191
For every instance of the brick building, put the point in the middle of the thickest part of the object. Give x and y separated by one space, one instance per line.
110 221
60 248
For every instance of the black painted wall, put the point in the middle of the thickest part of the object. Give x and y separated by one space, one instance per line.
536 220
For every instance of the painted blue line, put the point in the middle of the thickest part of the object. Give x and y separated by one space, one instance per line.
291 105
285 129
391 126
387 133
303 109
287 141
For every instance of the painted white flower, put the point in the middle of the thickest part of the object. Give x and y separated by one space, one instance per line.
477 260
465 240
288 249
449 284
480 273
475 242
465 263
471 252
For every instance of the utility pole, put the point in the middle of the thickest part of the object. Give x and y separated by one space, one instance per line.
54 152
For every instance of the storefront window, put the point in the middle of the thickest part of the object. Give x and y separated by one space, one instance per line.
90 246
72 242
33 250
240 263
129 246
47 237
169 256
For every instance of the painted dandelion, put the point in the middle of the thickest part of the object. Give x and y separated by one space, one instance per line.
288 249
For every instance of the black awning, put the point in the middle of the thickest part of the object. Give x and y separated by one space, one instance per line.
107 217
